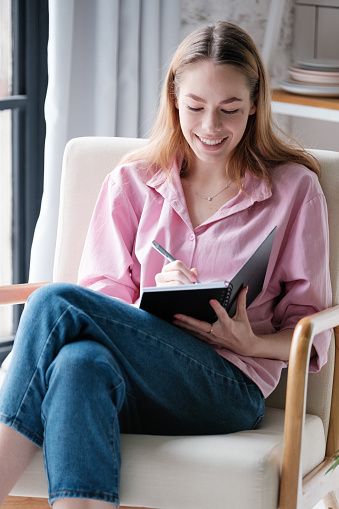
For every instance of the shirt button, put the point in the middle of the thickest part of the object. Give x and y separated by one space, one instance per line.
192 236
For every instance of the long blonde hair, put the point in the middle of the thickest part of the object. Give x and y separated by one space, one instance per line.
260 147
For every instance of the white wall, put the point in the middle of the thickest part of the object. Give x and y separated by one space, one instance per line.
252 16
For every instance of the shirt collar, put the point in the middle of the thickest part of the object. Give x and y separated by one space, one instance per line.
255 190
171 190
160 177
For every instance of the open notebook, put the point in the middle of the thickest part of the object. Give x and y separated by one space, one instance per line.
193 299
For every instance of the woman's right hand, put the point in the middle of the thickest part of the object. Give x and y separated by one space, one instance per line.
176 273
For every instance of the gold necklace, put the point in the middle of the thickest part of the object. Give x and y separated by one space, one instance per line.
210 198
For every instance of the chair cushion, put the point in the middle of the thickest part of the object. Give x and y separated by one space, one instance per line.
201 471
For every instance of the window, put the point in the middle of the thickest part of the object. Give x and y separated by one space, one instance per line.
23 84
5 161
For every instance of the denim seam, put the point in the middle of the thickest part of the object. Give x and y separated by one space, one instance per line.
45 455
15 424
64 492
116 459
113 447
130 395
40 355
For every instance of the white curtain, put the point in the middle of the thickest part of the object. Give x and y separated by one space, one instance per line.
105 63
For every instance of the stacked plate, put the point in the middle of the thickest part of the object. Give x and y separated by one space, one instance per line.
313 77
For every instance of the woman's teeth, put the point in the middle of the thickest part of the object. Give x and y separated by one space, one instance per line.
210 142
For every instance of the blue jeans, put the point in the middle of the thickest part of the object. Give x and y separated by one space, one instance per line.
86 367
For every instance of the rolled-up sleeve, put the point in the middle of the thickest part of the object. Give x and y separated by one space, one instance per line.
305 273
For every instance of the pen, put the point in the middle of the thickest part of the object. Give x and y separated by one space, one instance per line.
164 253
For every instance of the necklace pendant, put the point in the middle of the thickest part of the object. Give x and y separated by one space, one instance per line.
209 198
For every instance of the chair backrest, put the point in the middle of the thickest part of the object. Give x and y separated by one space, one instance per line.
86 163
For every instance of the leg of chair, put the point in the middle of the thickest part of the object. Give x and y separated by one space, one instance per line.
330 501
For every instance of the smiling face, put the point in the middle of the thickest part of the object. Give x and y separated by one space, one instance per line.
214 104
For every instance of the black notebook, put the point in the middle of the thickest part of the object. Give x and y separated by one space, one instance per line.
193 299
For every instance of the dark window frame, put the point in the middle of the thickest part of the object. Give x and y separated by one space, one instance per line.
30 38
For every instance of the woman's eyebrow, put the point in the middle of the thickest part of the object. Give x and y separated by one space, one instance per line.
225 101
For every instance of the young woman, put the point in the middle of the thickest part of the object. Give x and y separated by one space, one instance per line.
210 185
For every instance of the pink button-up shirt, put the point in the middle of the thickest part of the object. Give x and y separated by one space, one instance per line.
134 208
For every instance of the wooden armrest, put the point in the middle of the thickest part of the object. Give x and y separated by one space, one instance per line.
18 294
299 360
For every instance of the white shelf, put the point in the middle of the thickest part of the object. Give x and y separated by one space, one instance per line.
300 110
318 108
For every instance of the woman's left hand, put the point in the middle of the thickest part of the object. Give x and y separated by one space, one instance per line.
235 333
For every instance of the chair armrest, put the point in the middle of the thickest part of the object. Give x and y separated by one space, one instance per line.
17 294
302 340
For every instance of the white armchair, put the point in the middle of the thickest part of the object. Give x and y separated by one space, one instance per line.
253 469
